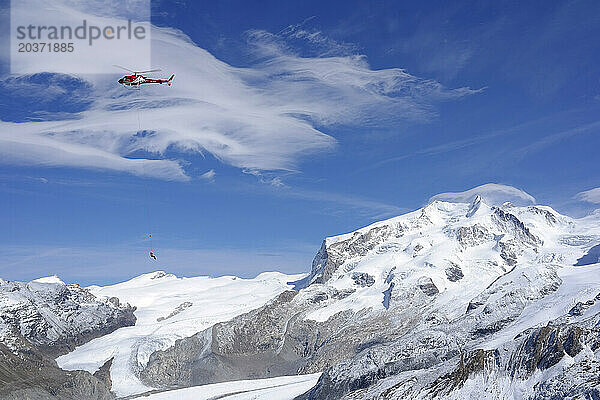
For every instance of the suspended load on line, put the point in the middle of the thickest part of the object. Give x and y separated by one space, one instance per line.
134 81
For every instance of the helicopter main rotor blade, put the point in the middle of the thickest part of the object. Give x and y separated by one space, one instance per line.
126 69
136 72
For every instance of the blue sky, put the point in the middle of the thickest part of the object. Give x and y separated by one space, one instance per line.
292 121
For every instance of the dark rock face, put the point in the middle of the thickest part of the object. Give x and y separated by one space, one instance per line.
103 373
454 273
544 347
511 223
508 252
580 308
329 258
250 346
427 286
363 279
469 236
342 294
469 364
18 371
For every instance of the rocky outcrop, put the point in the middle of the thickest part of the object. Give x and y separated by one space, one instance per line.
427 286
469 364
513 225
363 279
177 310
473 235
29 374
332 255
544 347
453 272
103 373
56 317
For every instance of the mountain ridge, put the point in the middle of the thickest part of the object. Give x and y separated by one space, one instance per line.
422 305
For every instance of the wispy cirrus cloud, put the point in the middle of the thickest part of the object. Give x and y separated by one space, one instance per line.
525 147
209 175
551 139
315 41
265 117
589 196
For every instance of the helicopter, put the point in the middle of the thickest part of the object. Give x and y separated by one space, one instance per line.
136 79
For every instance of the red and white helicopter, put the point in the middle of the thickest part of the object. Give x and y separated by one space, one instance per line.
136 79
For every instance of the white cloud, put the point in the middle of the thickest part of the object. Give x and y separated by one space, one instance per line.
209 175
23 144
589 196
493 193
313 40
266 178
263 117
277 182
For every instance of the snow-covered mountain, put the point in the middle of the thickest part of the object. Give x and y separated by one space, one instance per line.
455 300
420 292
42 319
444 255
484 302
56 317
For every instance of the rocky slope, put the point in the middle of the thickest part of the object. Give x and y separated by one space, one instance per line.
30 374
45 318
56 317
417 306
